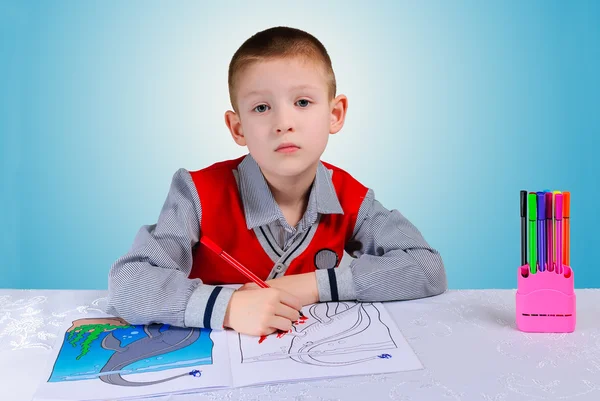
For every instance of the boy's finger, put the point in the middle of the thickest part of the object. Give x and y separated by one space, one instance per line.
280 323
290 300
285 311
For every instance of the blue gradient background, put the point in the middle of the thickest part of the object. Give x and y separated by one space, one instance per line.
454 108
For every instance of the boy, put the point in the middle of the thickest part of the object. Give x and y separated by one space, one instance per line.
279 210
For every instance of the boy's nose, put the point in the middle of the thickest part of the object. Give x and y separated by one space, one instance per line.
283 123
281 129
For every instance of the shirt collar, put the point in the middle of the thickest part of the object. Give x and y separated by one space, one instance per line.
260 207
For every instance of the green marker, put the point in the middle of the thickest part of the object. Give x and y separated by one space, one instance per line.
532 211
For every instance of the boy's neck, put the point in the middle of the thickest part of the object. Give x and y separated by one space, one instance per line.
292 193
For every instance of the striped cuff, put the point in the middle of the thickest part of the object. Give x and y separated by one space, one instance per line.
206 306
336 284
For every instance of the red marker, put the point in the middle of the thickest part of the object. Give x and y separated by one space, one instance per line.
231 260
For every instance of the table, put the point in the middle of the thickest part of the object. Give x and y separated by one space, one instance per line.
466 339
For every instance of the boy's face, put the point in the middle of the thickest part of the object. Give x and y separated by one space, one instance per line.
285 115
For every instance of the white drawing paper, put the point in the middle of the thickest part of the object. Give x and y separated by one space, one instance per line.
336 339
102 357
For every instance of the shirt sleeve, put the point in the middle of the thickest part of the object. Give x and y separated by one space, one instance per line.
151 283
392 261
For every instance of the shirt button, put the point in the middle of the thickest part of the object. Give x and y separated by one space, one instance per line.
279 267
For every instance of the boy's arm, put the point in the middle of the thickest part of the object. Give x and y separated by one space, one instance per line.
150 283
394 263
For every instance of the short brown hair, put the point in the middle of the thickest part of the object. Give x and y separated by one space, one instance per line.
278 42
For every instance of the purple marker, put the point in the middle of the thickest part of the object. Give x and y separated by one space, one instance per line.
541 231
558 214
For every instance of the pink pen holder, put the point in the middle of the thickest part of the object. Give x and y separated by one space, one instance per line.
545 301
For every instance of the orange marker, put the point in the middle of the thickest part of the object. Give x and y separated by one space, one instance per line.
566 228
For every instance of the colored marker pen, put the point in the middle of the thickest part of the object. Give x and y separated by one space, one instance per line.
532 211
549 232
541 231
523 228
554 227
558 214
567 228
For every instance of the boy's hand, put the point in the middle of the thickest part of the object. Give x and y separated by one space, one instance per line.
303 286
262 311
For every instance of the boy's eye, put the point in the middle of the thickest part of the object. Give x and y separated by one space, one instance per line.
261 108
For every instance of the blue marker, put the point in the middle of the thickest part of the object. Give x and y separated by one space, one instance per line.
541 230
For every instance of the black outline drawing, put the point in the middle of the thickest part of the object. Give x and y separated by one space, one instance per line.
314 343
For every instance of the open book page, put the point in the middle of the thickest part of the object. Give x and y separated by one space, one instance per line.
102 357
335 339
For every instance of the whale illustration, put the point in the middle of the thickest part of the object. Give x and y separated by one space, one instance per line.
157 343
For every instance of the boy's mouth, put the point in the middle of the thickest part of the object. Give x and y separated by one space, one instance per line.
287 147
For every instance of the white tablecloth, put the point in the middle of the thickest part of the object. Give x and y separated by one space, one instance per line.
466 340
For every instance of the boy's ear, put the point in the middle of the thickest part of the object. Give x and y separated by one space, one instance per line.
337 116
233 122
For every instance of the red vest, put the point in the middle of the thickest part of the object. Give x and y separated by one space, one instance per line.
224 222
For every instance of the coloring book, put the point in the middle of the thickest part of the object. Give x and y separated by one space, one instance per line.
103 357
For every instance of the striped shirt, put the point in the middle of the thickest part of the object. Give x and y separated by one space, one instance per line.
151 283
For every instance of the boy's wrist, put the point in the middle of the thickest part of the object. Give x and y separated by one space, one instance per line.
312 288
226 317
303 286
